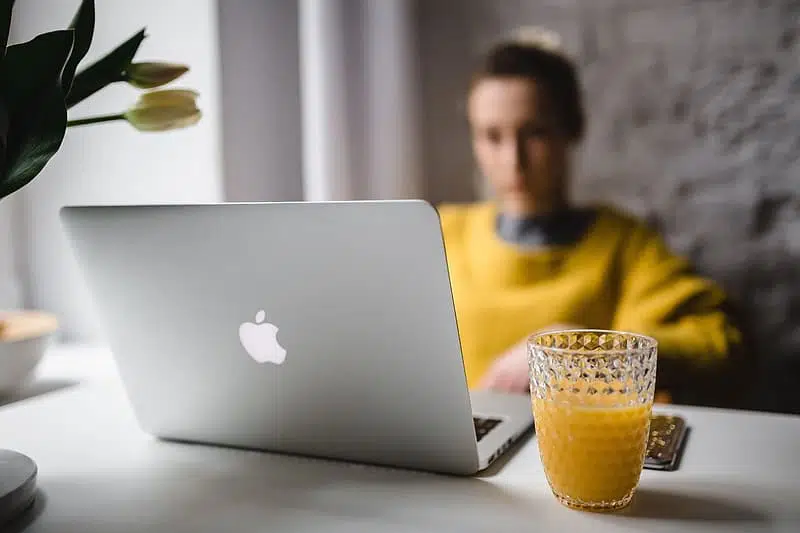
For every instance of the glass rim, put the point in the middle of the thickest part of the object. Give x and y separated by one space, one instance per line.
652 343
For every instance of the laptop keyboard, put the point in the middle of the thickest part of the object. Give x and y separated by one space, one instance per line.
484 426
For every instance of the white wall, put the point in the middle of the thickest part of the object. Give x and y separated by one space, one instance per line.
114 163
319 99
359 80
393 89
262 133
10 290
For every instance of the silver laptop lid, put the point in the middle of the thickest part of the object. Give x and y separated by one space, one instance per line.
325 329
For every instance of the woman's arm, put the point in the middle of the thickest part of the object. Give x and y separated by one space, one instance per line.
687 314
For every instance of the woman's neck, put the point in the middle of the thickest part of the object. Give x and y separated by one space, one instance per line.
524 208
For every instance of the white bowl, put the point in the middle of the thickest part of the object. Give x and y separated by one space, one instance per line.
18 361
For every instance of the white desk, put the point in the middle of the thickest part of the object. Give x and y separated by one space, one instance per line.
99 473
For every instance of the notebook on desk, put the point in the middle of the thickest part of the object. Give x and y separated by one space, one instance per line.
325 329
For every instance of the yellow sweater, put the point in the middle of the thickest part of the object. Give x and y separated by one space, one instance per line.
619 276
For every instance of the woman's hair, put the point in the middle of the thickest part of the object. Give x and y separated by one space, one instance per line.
535 54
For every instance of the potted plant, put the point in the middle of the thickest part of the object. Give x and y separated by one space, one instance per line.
40 80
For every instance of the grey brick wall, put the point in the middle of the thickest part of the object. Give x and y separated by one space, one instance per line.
694 124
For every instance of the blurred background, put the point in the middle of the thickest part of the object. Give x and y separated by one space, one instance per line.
694 124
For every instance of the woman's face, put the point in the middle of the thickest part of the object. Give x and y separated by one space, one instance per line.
519 145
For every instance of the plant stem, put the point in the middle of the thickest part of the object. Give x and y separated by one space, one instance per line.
95 120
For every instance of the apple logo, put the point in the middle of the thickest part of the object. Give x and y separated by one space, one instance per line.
260 340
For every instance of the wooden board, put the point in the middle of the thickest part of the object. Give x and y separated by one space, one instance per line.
22 325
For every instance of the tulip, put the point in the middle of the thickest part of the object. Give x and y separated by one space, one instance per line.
153 74
164 110
156 111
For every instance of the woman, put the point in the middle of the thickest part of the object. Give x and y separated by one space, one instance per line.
530 260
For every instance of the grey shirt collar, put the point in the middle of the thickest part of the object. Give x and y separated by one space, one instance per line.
556 229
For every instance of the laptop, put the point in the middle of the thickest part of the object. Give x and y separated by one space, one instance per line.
322 329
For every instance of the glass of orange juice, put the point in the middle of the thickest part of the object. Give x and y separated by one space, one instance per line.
592 394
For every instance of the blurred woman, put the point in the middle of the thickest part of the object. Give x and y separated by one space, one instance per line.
529 259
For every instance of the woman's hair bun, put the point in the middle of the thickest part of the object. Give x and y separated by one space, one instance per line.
536 37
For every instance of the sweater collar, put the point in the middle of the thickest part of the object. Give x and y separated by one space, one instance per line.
562 228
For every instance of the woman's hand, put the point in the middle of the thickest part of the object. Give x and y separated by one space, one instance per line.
510 373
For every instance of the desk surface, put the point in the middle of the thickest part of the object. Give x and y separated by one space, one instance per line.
100 473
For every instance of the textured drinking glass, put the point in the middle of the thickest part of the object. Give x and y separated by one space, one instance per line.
592 394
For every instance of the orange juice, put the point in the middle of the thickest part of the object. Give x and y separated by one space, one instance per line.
592 450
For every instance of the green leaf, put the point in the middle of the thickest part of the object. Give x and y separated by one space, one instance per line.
6 9
38 144
30 82
83 25
104 71
31 68
3 134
